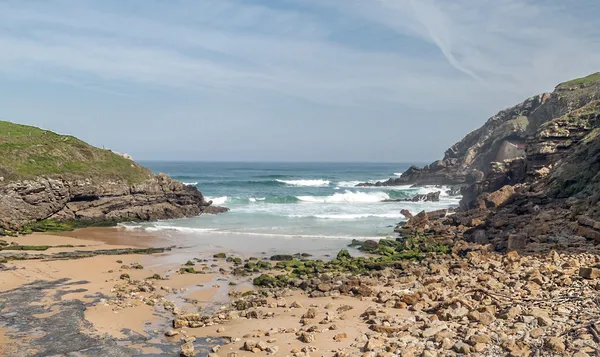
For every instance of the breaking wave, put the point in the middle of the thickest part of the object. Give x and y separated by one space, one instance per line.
306 183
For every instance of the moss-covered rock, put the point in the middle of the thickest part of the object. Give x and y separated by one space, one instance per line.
344 254
282 257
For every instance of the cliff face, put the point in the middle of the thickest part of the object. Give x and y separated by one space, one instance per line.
49 176
558 204
548 198
504 137
160 197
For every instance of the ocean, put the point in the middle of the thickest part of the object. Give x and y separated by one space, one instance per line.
303 200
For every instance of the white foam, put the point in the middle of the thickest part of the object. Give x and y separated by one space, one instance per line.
190 183
277 235
179 229
218 200
347 197
308 183
356 216
398 173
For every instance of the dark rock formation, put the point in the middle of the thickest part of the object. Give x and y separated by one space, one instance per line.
558 203
159 197
547 199
49 176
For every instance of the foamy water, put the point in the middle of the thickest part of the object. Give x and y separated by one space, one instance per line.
296 200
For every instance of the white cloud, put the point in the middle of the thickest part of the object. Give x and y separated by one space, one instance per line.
401 65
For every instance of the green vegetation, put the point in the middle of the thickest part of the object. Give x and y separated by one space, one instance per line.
344 254
220 256
35 247
188 270
282 257
388 253
28 152
578 82
27 247
125 277
190 263
49 225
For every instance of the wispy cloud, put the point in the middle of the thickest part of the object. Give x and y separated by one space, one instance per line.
389 60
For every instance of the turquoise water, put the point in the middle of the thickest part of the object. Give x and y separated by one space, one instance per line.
296 199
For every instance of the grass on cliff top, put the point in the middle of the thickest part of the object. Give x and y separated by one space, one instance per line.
584 81
27 152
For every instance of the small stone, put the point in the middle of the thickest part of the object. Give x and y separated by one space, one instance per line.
511 313
373 344
461 347
171 333
296 305
221 330
410 299
249 345
555 344
536 332
311 313
429 353
486 318
589 273
542 316
480 339
581 354
272 349
447 343
400 305
307 337
187 349
479 347
261 345
344 308
340 336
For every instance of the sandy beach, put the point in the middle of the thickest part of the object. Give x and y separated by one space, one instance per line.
188 301
89 286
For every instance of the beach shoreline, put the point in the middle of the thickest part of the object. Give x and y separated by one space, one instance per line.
90 282
192 301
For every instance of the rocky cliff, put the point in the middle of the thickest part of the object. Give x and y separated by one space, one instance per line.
47 176
546 198
503 137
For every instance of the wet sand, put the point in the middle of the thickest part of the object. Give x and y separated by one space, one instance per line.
94 282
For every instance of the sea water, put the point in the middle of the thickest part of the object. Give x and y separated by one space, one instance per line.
301 200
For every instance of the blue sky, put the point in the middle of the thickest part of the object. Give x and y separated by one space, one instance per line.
284 80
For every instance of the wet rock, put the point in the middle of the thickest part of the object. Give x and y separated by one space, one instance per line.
171 333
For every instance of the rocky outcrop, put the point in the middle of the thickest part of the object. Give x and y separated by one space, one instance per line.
547 199
425 197
505 137
63 199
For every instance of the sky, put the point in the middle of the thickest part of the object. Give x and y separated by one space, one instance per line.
284 80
